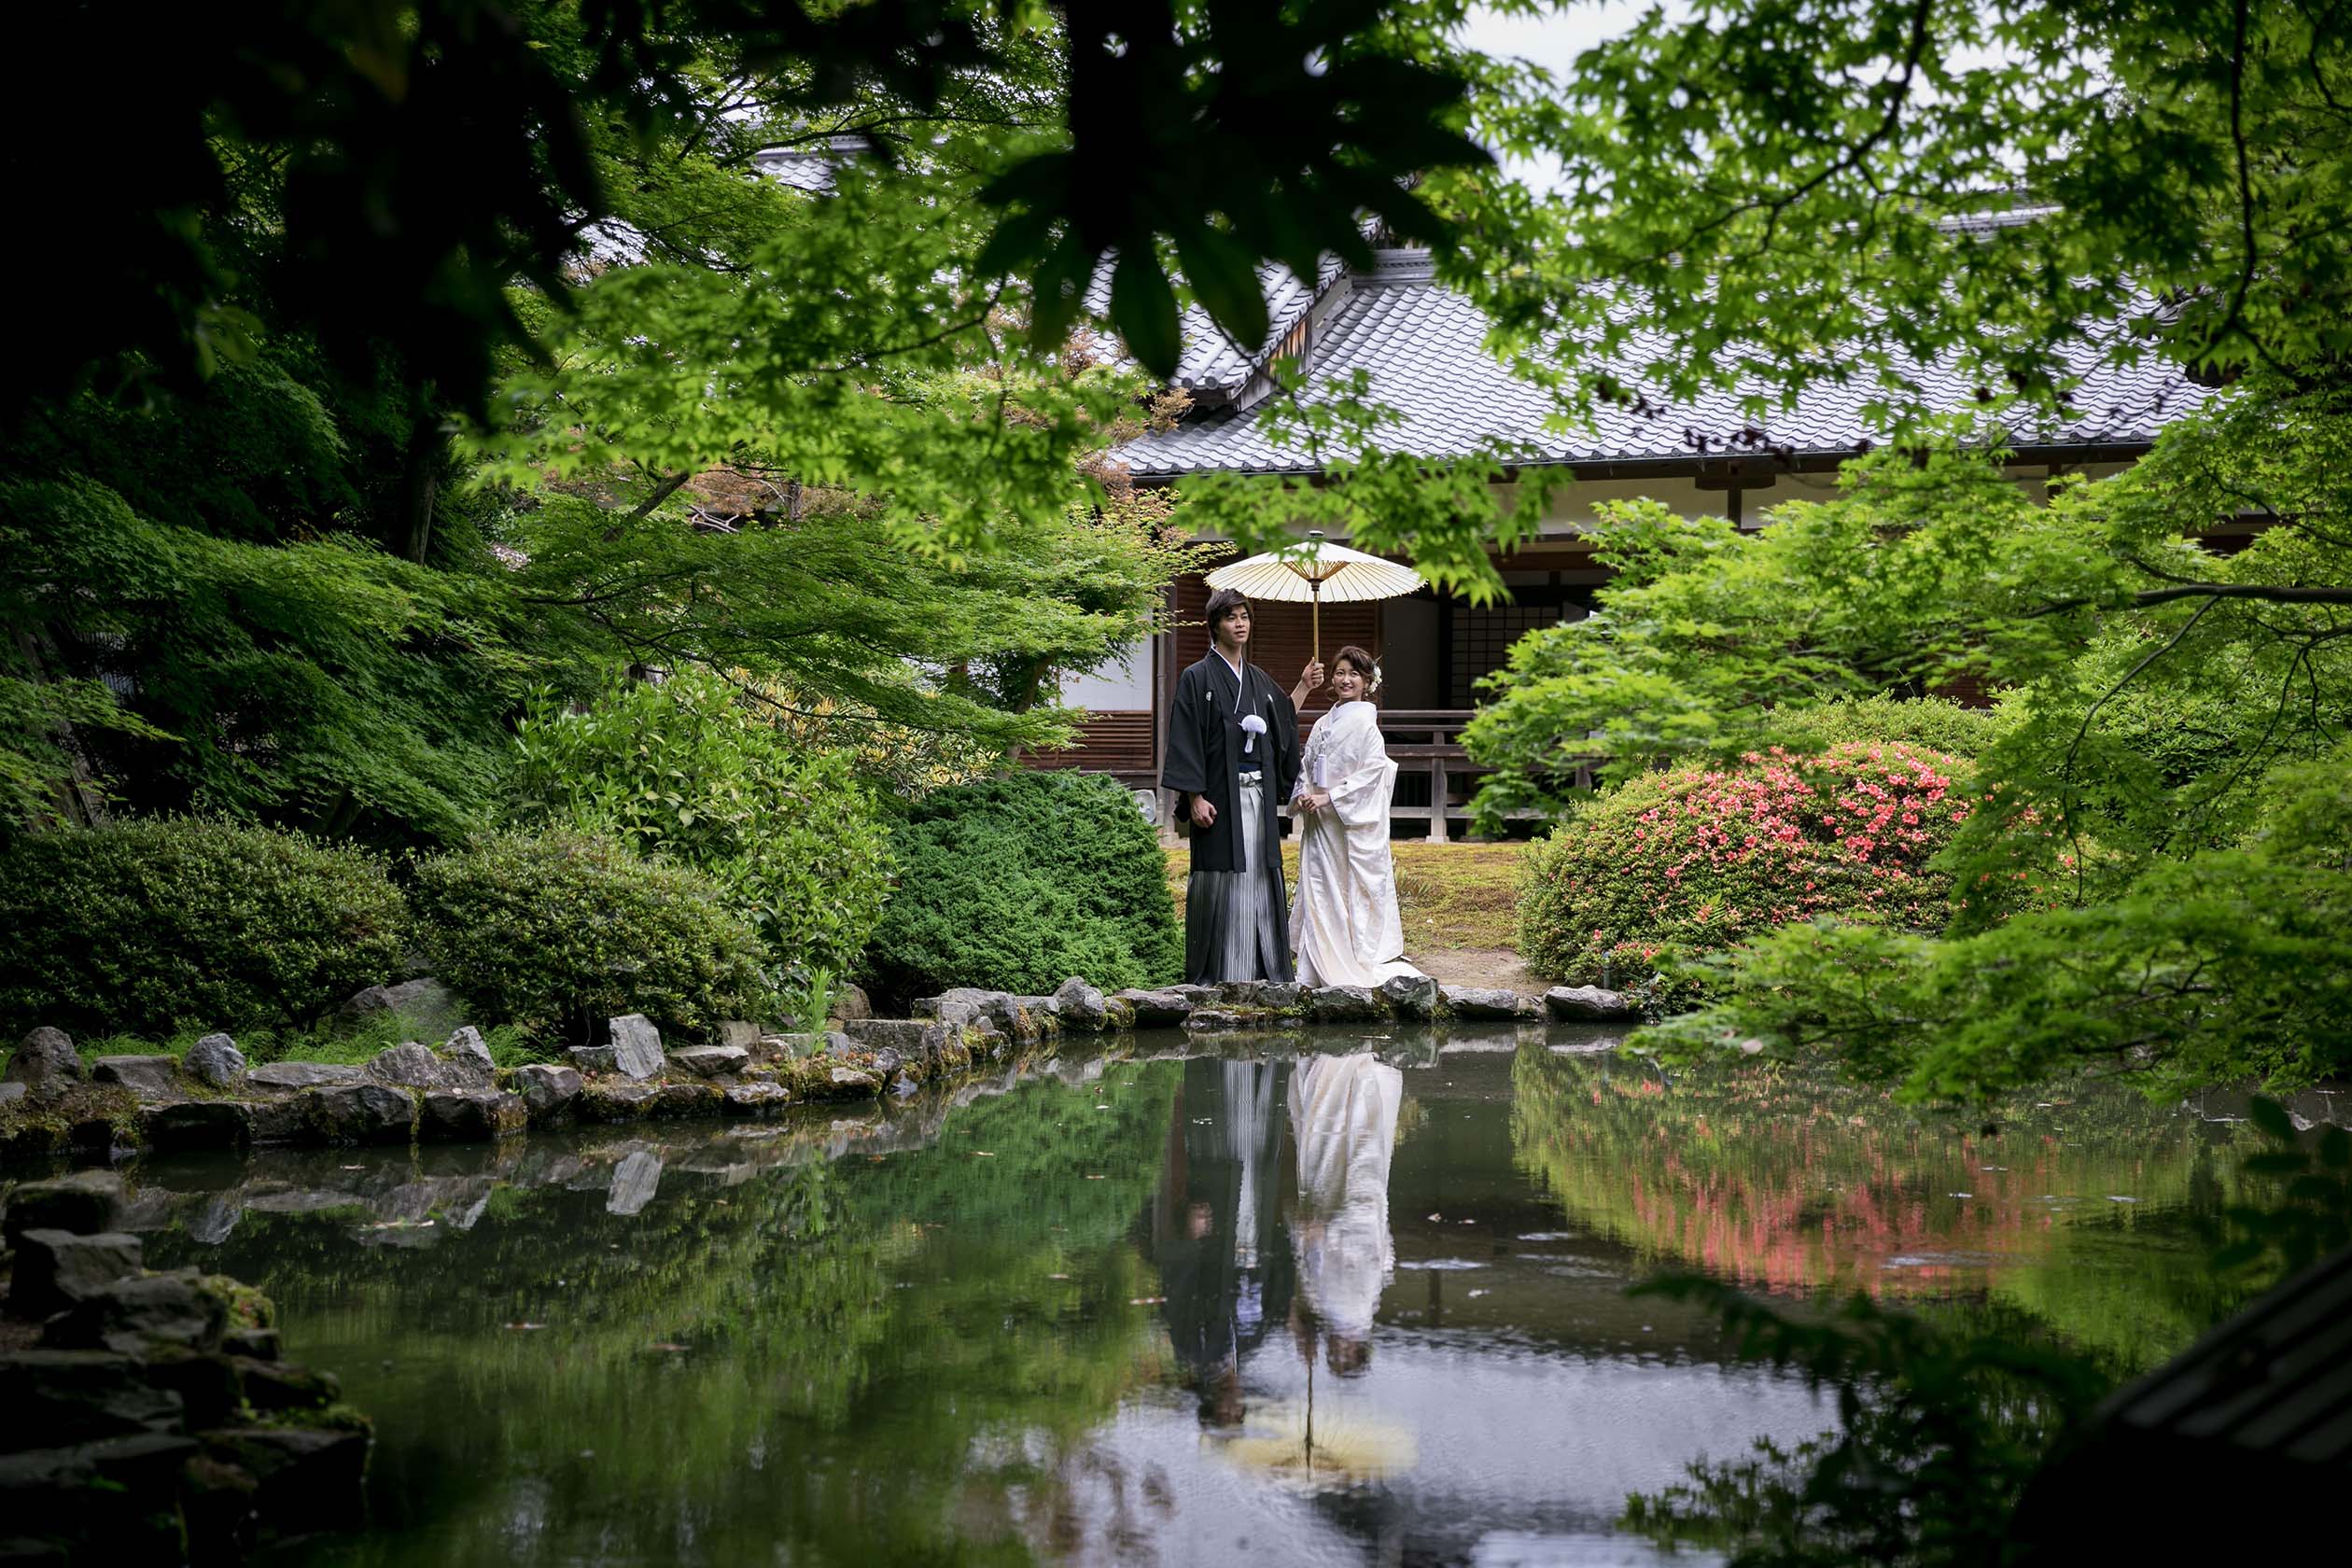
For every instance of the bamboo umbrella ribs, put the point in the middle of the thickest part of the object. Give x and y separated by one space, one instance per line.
1315 571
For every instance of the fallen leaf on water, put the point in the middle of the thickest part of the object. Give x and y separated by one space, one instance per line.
525 1325
1434 1218
1145 1300
984 1154
1093 1178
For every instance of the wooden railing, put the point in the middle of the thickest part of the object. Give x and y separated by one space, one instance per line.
1123 744
1424 743
1428 742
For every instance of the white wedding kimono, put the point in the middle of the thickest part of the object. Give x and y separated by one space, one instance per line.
1344 926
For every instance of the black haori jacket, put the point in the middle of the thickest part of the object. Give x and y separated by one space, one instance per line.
1204 737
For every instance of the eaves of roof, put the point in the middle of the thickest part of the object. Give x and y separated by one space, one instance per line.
1422 348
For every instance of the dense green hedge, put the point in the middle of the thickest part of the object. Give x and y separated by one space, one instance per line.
1936 723
1019 882
1698 857
147 926
686 771
555 933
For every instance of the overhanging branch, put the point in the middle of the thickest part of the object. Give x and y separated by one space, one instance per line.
2263 593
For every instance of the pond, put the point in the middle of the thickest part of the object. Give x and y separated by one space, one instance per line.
1314 1308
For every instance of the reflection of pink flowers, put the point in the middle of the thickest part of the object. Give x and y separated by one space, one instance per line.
1754 1184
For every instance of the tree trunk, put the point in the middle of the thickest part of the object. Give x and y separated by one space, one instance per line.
420 483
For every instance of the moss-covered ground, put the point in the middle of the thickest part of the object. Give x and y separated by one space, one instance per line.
1450 896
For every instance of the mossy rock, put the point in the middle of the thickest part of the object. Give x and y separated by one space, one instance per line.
615 1101
689 1099
247 1306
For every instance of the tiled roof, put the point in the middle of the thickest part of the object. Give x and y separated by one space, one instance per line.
1210 362
1421 345
809 165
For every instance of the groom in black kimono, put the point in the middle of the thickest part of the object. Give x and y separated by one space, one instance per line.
1232 760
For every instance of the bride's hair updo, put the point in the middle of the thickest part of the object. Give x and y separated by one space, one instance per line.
1364 664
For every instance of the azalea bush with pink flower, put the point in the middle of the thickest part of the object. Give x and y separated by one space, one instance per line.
1702 856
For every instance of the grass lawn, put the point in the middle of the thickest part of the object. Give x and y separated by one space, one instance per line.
1449 895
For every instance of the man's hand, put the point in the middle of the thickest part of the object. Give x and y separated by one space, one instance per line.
1311 679
1204 812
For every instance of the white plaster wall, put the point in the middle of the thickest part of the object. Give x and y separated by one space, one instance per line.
1124 686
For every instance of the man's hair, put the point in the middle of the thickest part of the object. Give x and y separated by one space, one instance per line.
1222 603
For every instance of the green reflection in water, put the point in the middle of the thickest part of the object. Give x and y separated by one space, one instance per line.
903 1336
2087 1209
782 1357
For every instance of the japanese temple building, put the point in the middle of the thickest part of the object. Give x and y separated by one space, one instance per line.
1421 346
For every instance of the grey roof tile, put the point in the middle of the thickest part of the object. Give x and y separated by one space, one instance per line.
809 165
1423 346
1211 360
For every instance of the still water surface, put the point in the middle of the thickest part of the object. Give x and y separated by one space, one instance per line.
1312 1308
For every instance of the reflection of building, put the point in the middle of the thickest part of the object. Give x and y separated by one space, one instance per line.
1223 1267
1421 345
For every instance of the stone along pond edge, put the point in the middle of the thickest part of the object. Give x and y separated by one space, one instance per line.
149 1417
414 1093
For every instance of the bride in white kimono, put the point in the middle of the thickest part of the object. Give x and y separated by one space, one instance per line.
1344 926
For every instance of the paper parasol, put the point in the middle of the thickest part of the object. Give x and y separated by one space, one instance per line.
1326 1448
1315 571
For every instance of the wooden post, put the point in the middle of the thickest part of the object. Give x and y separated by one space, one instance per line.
1437 794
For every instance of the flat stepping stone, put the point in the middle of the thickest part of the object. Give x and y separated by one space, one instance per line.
712 1062
305 1075
1479 1002
147 1077
1580 1003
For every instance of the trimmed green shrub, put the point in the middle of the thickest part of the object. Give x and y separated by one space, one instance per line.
685 772
1937 723
146 927
1019 882
1698 857
555 932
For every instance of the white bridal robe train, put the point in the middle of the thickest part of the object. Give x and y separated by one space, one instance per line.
1345 927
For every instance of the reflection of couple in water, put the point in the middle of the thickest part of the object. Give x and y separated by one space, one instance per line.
1343 1120
1212 1225
1217 1200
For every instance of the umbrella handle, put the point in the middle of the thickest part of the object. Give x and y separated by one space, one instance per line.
1317 585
